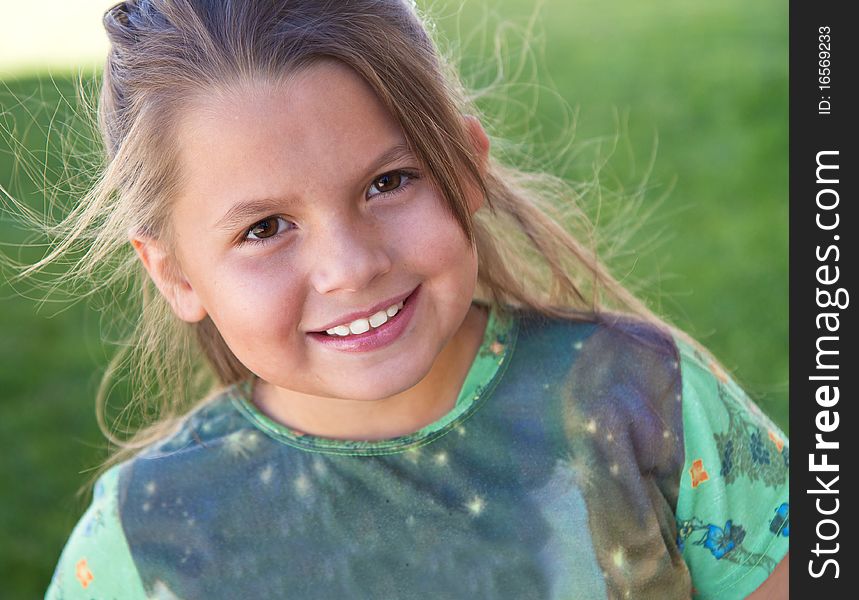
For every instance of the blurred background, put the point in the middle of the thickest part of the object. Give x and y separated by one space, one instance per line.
682 105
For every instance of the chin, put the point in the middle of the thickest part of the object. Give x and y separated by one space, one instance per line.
376 385
374 389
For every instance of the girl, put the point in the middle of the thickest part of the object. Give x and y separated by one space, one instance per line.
423 384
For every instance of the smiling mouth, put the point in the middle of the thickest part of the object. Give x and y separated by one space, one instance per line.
363 325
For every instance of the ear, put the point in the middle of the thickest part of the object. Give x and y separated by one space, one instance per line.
480 147
168 278
479 140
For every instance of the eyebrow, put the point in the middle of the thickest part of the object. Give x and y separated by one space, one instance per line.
243 212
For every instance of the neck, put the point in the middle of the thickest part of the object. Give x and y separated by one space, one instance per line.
426 402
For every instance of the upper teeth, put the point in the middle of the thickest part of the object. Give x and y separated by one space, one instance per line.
362 325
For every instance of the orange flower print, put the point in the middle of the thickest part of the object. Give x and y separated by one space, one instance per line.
83 573
496 347
718 372
779 443
698 473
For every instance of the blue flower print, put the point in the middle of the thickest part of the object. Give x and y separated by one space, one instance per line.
759 452
725 543
781 522
721 541
685 528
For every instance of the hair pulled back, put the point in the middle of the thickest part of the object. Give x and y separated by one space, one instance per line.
165 52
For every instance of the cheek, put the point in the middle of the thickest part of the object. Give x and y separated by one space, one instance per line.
254 304
432 241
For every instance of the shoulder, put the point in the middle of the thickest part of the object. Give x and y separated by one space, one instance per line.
210 423
615 372
196 449
723 426
609 335
106 555
606 359
96 561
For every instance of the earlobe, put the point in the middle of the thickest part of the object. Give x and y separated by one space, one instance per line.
168 278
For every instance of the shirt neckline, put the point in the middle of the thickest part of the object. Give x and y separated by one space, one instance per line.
486 371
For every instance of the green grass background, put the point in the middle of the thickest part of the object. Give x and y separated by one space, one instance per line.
708 79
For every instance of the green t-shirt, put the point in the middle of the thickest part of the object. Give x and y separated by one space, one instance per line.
582 460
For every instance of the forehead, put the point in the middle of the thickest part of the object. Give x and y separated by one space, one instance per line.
258 134
327 91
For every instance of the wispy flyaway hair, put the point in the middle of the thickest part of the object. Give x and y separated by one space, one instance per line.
164 54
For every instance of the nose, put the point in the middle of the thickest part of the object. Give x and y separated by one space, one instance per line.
348 257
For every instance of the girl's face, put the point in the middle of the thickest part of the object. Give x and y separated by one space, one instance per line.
301 208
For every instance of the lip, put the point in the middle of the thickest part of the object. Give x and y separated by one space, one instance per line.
377 337
364 314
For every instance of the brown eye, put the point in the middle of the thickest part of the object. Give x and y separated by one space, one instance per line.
264 229
392 183
388 182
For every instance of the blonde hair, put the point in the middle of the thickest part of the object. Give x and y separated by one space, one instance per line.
163 51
